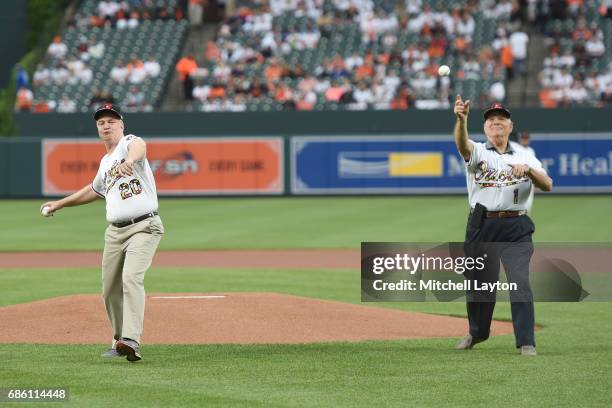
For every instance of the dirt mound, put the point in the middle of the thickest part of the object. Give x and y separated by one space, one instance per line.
196 318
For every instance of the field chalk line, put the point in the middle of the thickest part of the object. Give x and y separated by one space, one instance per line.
189 297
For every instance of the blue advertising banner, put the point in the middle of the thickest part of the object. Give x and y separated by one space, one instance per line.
431 164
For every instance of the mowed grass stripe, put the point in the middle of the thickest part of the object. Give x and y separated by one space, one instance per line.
294 222
572 365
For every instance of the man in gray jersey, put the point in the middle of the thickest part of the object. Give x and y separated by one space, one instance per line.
126 182
499 182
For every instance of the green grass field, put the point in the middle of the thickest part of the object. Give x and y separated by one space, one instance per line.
573 368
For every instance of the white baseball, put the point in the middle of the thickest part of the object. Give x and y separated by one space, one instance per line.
45 211
444 70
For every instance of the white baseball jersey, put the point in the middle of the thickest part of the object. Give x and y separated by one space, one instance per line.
126 197
528 149
490 181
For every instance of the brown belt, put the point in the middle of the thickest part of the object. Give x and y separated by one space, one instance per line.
505 214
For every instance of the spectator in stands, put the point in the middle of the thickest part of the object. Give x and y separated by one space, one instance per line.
363 95
96 49
382 94
567 60
135 100
201 92
365 71
465 27
152 67
217 91
60 75
583 59
185 67
403 99
518 43
237 104
503 9
563 78
347 92
595 47
107 9
119 73
306 100
575 7
273 71
605 8
121 19
212 53
606 96
78 72
195 12
96 21
413 7
84 75
125 21
284 95
391 81
594 86
79 21
66 105
136 69
578 94
96 99
354 61
334 92
22 78
57 49
222 72
24 99
42 76
42 106
581 32
107 97
258 89
470 68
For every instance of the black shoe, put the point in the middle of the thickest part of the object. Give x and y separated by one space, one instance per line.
129 348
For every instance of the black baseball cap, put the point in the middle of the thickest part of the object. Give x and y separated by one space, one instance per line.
497 107
108 107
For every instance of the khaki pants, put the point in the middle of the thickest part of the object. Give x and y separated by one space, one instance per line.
128 253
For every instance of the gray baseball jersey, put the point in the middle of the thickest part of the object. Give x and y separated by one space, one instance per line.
490 181
126 197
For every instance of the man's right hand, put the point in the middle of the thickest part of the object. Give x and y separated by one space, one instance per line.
462 109
53 206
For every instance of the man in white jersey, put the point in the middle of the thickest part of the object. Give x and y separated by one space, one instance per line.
126 182
499 181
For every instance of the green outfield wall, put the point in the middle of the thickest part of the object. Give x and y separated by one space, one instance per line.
310 123
275 137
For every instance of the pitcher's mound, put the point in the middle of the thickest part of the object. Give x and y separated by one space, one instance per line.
195 318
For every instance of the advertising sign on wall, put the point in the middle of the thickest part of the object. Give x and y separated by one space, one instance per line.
188 166
431 164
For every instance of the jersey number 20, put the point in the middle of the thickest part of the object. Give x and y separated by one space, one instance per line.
128 190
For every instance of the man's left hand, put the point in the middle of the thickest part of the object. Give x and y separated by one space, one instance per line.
126 168
520 170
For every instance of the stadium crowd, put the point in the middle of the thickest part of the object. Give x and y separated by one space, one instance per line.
575 72
62 66
346 54
381 74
